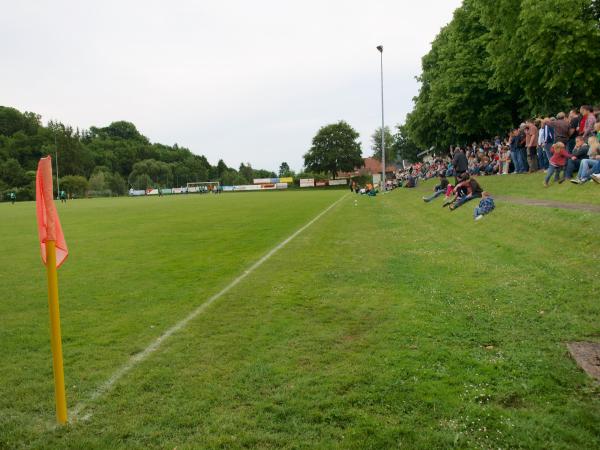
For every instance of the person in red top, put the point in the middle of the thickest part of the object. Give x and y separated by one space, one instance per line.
560 155
586 126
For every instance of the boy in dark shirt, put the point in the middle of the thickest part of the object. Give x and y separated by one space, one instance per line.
439 189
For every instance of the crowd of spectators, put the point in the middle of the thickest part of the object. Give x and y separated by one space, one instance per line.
567 144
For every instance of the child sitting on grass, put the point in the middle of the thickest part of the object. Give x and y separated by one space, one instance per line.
439 189
557 162
486 205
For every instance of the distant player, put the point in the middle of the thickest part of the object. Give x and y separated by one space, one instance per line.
13 197
63 196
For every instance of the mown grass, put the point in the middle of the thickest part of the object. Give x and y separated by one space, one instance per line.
388 323
531 186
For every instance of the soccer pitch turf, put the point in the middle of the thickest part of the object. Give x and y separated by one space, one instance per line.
385 323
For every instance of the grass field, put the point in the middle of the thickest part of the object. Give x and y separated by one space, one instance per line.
387 323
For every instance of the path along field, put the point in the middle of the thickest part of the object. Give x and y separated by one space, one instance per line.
386 323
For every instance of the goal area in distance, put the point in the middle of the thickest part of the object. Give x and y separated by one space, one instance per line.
202 186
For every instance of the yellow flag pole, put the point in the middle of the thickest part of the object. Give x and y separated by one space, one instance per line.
55 339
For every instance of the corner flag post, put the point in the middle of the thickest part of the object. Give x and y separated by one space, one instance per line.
54 252
55 338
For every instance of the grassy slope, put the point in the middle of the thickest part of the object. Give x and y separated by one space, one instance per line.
458 340
531 186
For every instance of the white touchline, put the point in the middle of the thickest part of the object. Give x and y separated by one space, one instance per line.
139 357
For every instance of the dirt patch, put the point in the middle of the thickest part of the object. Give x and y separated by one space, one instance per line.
550 204
587 356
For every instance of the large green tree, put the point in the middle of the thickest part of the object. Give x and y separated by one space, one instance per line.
284 170
404 147
545 53
456 102
335 148
501 61
390 150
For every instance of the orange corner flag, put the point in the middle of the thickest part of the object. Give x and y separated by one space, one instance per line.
49 228
54 253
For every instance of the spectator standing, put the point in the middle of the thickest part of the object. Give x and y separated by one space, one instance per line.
505 160
561 129
541 154
548 138
522 142
460 163
514 151
531 142
587 123
574 120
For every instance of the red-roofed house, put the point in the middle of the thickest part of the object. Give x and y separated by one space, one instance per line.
370 166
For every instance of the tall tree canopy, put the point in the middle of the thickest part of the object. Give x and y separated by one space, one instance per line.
335 148
500 61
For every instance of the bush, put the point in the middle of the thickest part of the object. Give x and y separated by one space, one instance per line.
74 185
25 193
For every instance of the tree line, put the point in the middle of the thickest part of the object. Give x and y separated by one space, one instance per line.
101 161
501 61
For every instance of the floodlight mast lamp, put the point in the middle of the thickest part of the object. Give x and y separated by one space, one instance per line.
383 180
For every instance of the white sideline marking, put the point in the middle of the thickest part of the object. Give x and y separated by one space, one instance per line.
139 357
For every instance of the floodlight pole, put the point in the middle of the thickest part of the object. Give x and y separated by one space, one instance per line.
383 180
56 162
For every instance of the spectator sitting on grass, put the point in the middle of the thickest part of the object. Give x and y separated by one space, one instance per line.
580 152
590 165
465 191
486 205
411 182
439 189
558 162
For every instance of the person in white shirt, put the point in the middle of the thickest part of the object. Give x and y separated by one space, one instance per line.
541 154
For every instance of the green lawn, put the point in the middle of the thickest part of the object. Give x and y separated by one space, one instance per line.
387 323
531 186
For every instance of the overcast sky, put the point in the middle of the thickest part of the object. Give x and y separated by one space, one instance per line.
246 81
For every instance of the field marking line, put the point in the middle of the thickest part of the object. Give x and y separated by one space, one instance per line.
154 346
